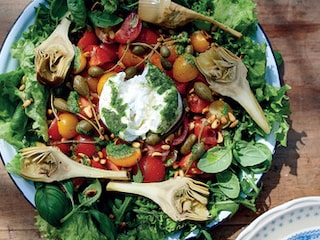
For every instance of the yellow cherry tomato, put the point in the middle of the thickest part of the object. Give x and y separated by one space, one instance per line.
102 80
67 124
184 68
200 41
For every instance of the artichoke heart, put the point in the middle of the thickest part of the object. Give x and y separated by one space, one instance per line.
54 56
227 75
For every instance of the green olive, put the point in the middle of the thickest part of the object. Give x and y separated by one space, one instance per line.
197 151
167 65
95 71
164 51
188 143
84 127
189 49
130 72
203 91
152 138
80 85
139 50
61 105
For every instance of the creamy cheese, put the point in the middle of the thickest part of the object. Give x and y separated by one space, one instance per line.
143 105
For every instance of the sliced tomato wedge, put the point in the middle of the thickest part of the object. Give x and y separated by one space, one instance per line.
196 104
88 38
130 29
101 54
148 36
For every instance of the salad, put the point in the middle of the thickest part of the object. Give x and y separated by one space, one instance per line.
98 86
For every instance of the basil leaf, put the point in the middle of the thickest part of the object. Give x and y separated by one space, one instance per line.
52 203
58 9
90 194
103 19
228 183
105 225
78 12
252 154
216 159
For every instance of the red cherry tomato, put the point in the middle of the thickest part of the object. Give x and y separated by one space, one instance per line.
129 30
88 38
196 104
53 131
63 146
152 169
85 146
148 36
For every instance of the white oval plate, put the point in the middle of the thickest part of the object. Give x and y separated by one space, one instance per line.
293 220
27 17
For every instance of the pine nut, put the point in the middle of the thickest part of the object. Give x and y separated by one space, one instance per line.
156 154
211 118
233 124
103 161
223 120
136 145
215 124
165 147
231 116
219 138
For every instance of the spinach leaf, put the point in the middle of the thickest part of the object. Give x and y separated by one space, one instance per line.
216 159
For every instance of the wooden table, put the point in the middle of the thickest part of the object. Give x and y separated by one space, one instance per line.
293 28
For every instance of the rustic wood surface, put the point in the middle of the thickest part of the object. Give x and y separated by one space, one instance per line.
293 28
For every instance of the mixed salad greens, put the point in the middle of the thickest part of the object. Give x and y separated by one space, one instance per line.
227 157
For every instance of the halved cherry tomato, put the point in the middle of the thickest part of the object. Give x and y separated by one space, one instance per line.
196 104
188 165
125 158
88 38
184 68
152 169
85 145
203 131
129 58
67 125
130 29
